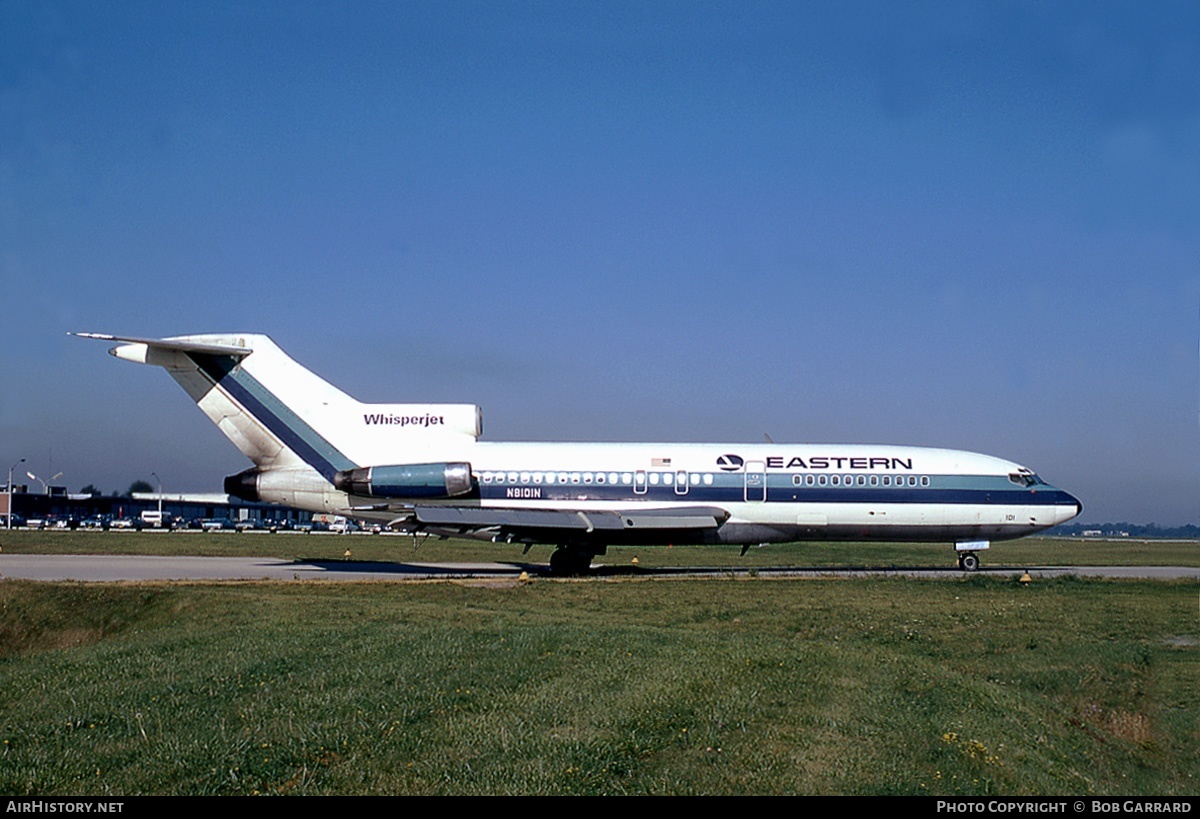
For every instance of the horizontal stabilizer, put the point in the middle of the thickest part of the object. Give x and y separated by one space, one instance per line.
172 344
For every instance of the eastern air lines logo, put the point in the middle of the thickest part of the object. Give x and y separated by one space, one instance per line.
734 463
730 463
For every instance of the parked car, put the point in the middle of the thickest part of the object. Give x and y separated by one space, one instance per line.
153 519
121 523
334 523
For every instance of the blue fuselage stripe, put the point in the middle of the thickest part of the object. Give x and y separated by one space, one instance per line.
727 490
260 402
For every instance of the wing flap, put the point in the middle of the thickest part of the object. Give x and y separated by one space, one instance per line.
583 520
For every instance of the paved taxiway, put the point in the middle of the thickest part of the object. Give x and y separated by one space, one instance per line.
117 568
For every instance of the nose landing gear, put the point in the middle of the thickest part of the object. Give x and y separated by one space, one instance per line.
968 560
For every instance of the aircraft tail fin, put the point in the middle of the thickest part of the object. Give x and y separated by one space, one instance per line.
261 399
282 415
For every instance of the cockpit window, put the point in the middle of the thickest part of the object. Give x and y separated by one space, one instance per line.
1024 477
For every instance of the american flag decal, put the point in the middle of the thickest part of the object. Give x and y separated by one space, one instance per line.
660 462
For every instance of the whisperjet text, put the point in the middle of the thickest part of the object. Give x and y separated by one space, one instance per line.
405 420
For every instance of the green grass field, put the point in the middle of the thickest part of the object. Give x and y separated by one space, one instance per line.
635 686
650 687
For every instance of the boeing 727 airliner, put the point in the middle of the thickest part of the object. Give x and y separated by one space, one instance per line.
421 468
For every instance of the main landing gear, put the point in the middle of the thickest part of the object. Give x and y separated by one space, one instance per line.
572 559
968 561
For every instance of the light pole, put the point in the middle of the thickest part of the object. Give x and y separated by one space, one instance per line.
10 471
45 487
155 476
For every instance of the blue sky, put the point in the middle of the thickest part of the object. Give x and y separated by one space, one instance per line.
948 224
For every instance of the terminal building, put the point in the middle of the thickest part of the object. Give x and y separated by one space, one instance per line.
56 506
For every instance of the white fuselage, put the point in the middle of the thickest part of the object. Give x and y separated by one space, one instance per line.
776 492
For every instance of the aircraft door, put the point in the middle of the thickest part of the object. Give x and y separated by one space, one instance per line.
755 475
639 482
681 482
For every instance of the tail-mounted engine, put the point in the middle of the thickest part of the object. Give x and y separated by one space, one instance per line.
427 481
302 487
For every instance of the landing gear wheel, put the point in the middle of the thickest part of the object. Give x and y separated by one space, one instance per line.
571 560
968 562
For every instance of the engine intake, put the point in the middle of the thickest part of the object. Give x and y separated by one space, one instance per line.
428 481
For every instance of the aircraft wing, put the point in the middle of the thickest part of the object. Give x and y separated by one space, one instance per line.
513 522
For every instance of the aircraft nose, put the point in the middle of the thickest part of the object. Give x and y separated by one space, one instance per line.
1069 507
